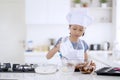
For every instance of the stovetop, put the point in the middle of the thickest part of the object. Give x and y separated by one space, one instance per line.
17 68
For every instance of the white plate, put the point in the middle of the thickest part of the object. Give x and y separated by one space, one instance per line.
46 69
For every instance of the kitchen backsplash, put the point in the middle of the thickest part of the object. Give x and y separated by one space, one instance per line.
40 34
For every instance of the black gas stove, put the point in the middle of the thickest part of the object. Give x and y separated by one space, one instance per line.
7 67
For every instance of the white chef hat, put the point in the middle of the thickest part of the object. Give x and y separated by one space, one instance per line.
79 17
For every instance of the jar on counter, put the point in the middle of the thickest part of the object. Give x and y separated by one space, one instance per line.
95 47
51 43
29 46
106 45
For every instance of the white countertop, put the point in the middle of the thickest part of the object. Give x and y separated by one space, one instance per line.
106 59
56 76
103 59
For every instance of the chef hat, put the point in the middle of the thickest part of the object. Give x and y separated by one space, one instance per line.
79 17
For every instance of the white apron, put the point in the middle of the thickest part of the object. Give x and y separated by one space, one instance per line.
67 50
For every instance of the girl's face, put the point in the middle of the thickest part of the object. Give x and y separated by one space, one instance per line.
76 30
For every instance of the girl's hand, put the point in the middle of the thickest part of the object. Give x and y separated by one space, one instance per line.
87 67
93 64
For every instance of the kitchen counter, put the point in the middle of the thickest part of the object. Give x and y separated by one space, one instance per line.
39 57
105 58
56 76
102 58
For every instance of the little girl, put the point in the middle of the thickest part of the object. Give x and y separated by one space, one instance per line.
72 47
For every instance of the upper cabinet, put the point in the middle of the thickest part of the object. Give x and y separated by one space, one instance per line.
46 11
102 13
36 11
116 20
55 11
117 10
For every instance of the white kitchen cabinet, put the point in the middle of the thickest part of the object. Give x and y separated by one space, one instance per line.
36 11
47 11
57 11
116 17
99 14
